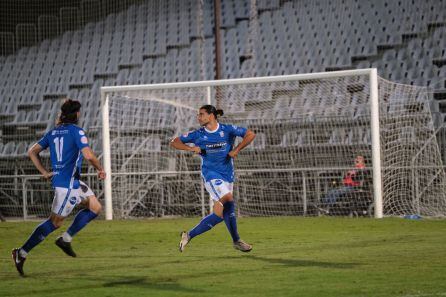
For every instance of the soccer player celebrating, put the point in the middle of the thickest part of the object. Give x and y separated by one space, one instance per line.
68 145
214 143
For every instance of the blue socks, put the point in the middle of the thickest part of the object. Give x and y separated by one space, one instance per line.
38 235
211 220
82 218
205 224
231 220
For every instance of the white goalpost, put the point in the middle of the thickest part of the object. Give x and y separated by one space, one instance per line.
310 128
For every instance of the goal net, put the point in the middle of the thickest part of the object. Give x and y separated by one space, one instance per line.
315 152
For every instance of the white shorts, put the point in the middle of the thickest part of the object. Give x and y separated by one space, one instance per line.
217 188
65 200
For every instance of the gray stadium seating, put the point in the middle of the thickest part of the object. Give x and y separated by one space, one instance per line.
147 44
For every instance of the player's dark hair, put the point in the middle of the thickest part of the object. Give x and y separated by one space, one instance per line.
68 112
210 109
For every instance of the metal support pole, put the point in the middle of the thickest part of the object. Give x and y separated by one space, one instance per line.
25 200
376 145
304 193
107 158
217 23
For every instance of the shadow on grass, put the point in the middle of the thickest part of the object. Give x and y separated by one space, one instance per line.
101 266
159 284
304 263
131 282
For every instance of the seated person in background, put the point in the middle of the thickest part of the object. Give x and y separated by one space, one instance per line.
353 180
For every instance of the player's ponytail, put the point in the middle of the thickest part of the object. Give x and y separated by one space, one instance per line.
210 109
219 112
68 112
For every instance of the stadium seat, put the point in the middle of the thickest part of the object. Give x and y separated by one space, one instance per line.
338 136
290 138
289 40
9 149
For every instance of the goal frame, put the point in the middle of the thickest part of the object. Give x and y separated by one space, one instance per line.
372 73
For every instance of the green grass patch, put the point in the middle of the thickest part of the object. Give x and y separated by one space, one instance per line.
291 257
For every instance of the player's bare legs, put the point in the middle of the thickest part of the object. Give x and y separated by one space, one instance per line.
93 204
57 220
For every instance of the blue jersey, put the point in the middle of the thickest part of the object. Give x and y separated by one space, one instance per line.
215 146
65 142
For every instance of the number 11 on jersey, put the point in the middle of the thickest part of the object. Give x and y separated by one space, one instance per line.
58 142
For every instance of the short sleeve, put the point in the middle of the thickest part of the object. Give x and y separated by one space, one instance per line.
189 137
80 138
237 131
44 141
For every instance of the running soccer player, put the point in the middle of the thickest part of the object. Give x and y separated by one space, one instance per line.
68 145
214 142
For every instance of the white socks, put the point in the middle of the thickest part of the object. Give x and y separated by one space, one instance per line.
22 253
67 237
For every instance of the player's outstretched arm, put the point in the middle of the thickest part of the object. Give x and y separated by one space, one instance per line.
91 158
179 145
247 139
33 154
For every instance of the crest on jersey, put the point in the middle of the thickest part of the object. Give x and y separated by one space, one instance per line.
73 200
222 134
81 132
84 140
205 137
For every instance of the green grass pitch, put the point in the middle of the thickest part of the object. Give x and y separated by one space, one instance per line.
291 257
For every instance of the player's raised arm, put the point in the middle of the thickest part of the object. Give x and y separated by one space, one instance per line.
247 139
33 154
89 155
